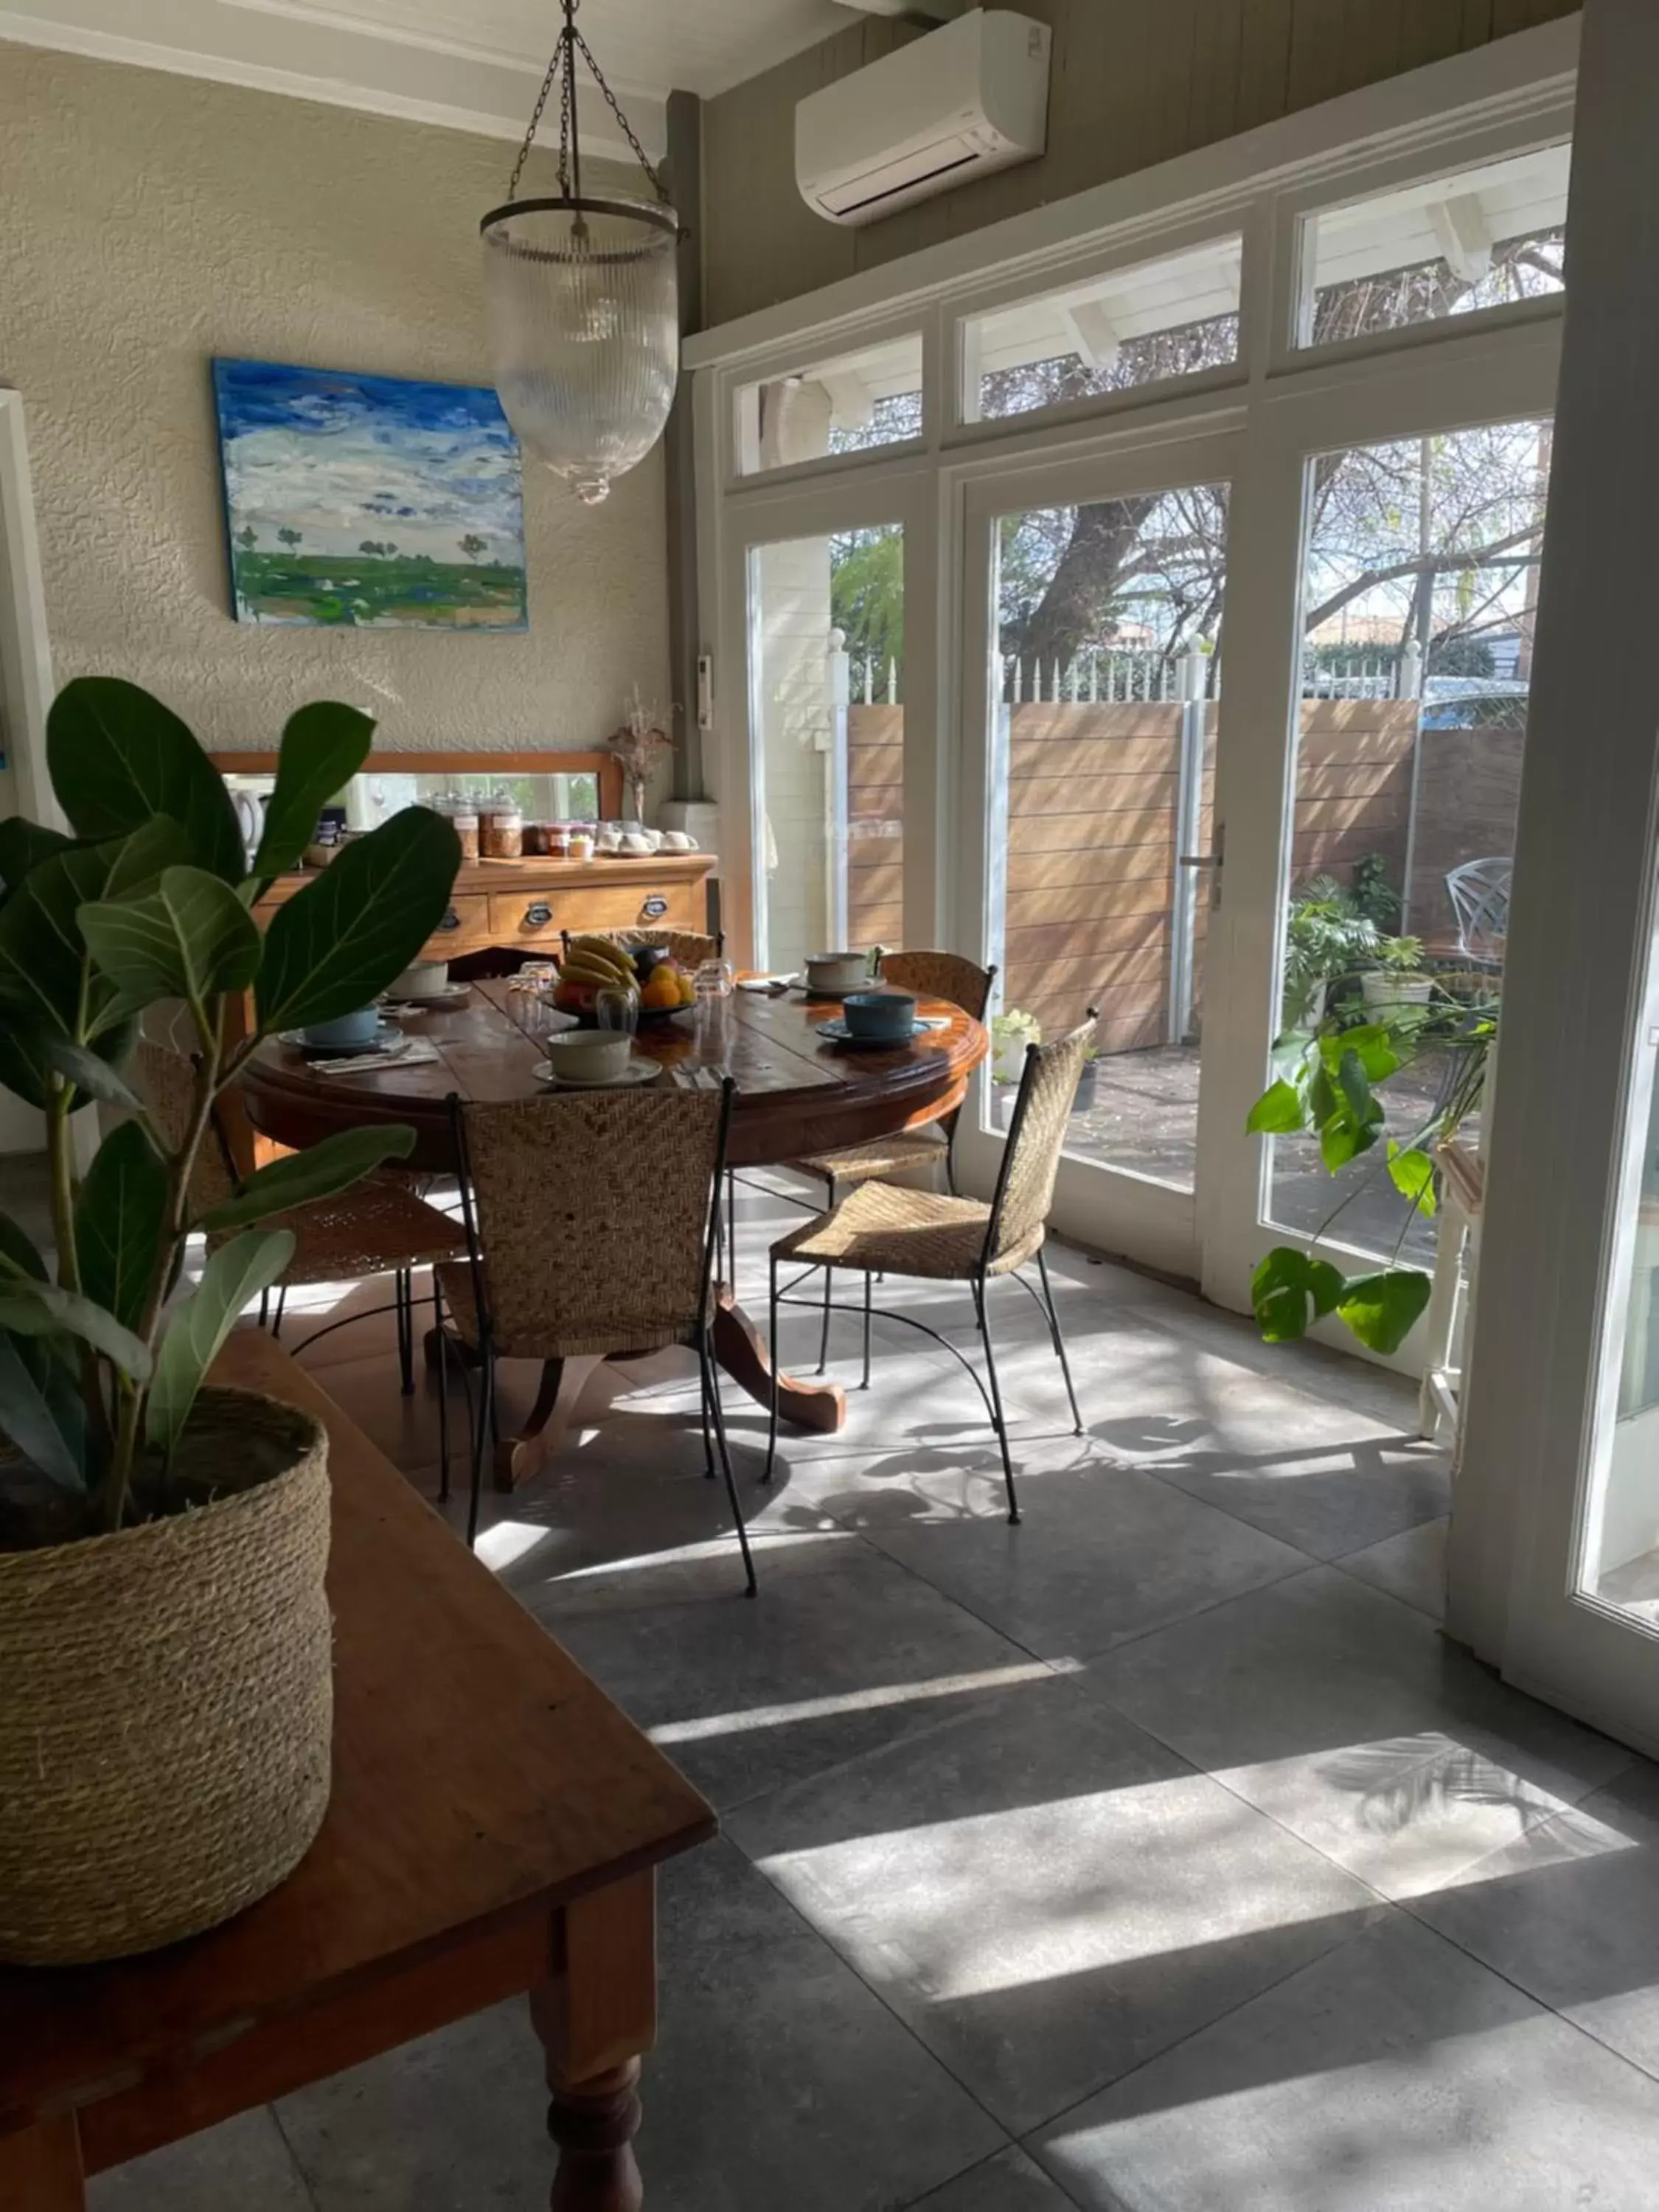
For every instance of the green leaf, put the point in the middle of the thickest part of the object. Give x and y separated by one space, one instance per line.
30 1309
27 1049
44 967
190 937
1380 1309
331 947
120 1222
1411 1173
23 845
1279 1112
326 1169
40 1421
119 757
236 1273
1289 1289
324 745
18 1252
1373 1046
91 1074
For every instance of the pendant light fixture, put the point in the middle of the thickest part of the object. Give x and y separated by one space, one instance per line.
580 301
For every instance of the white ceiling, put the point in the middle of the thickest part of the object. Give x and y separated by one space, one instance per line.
474 64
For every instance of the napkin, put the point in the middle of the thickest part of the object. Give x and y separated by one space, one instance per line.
414 1054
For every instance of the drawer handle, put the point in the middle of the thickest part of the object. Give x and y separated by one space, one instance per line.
451 921
537 916
653 909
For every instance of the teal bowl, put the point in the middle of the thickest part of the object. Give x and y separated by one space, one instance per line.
879 1017
346 1031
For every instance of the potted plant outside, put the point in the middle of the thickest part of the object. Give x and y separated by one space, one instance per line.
1398 979
1010 1034
165 1685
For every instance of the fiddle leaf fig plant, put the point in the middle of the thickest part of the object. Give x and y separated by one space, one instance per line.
1324 1085
148 902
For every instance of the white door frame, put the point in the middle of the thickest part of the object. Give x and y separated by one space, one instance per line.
1578 1030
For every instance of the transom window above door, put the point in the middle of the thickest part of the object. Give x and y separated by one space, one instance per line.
1104 333
850 403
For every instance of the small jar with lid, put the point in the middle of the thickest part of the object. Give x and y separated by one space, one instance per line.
558 840
500 829
464 820
535 841
581 842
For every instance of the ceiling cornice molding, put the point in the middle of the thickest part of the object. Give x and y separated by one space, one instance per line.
270 45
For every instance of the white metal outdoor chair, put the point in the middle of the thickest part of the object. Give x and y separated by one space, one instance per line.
1480 894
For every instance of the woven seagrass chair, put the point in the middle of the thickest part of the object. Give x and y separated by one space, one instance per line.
379 1227
930 976
591 1224
885 1229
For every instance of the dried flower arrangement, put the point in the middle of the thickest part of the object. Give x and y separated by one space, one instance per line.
638 745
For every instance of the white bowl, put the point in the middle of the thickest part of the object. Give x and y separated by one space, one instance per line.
590 1055
423 979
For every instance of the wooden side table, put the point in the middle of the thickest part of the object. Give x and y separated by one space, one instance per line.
495 1827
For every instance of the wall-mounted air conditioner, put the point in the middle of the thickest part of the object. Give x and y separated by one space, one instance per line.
958 103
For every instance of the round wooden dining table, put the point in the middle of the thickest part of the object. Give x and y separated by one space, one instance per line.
797 1093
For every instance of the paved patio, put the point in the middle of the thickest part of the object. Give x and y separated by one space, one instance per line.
1144 1118
1156 1855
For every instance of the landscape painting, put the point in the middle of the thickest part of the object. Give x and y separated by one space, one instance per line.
374 502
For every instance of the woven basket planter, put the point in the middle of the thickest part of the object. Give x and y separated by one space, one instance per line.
166 1706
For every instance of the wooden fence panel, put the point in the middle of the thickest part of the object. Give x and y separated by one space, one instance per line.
1468 789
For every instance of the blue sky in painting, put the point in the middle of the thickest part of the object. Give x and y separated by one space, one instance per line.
341 458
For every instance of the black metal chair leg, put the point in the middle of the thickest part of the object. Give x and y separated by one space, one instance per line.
829 1277
265 1308
480 1437
712 1386
707 1438
868 1291
773 1356
731 1228
404 1280
443 1391
1000 1419
281 1302
1060 1341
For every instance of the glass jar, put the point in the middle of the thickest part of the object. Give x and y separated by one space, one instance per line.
581 843
558 840
501 830
464 822
535 841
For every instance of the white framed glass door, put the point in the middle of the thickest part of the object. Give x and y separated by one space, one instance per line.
828 783
1093 715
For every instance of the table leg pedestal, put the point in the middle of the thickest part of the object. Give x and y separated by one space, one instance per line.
742 1350
594 2014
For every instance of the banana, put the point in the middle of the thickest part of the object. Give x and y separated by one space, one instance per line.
579 968
603 950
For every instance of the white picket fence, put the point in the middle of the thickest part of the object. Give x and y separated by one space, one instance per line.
1111 678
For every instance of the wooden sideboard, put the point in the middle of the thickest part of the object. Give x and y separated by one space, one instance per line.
522 905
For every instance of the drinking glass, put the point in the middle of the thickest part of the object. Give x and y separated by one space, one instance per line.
618 1010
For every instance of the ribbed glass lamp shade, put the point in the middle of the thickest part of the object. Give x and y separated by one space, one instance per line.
580 302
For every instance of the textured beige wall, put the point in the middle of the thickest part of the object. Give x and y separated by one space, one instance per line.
1133 82
148 222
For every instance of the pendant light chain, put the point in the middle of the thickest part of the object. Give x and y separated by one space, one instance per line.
563 66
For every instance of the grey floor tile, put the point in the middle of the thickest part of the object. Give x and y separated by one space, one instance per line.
1346 1716
1103 1553
242 2162
1395 2075
1570 1912
1410 1566
1007 2183
1325 1497
1046 1895
822 1666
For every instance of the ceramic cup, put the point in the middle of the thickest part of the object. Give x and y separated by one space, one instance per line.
590 1055
836 971
882 1017
346 1031
424 979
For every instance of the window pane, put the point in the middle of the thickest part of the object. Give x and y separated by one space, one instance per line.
1620 1559
856 401
1418 592
827 659
1449 247
1165 318
1103 778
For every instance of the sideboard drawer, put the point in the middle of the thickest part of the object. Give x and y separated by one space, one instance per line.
464 928
530 917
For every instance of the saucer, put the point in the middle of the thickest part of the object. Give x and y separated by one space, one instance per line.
388 1040
637 1071
835 1031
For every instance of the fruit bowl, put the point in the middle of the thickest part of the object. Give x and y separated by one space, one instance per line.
593 966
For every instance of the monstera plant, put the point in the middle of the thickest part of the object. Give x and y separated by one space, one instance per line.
165 1659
